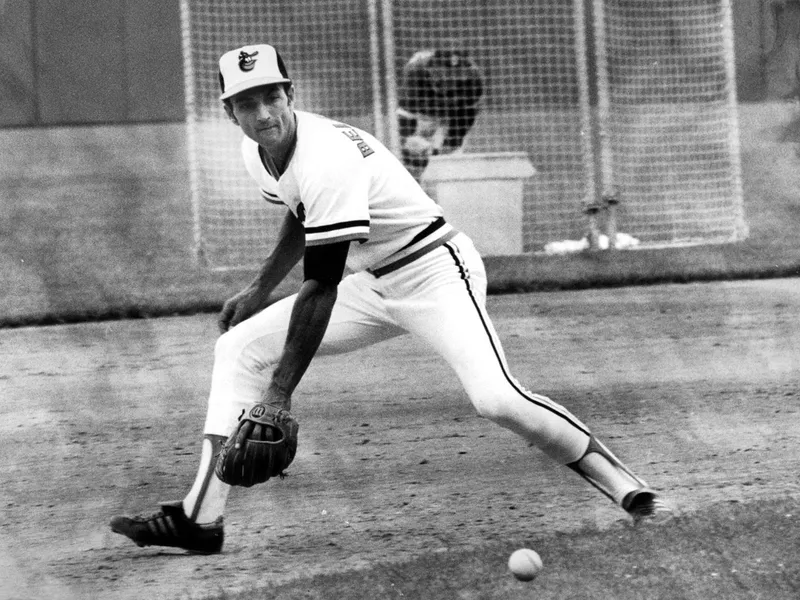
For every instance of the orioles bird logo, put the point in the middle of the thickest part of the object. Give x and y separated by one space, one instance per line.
247 61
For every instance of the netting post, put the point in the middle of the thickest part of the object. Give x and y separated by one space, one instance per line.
191 128
375 71
390 81
591 204
740 224
608 193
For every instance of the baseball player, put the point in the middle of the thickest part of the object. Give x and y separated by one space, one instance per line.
350 204
438 102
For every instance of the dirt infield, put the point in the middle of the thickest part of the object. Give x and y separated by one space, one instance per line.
696 386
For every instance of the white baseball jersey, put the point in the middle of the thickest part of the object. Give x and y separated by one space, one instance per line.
343 184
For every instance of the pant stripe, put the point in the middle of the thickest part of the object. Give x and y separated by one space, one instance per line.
539 400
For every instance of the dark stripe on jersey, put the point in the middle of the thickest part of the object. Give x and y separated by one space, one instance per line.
271 198
437 224
530 398
335 226
346 237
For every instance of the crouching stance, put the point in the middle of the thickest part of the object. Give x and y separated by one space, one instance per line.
411 272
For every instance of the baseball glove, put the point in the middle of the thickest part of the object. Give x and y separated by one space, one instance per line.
263 445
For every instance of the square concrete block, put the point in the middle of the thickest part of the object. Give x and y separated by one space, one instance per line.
481 195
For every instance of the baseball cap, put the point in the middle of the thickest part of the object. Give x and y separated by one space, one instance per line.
248 67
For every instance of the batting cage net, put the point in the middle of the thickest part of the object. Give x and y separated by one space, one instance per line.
625 109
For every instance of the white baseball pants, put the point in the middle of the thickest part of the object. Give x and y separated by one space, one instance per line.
439 297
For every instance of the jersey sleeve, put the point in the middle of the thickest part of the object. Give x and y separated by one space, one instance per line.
335 199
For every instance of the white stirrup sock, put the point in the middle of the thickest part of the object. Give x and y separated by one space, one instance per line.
206 501
606 472
615 482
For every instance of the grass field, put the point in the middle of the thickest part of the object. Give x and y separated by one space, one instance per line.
729 551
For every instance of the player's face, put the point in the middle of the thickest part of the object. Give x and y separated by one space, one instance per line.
265 115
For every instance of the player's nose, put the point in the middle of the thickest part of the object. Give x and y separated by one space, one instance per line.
262 112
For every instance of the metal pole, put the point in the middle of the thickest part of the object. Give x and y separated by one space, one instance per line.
591 204
608 192
379 127
191 131
390 78
740 231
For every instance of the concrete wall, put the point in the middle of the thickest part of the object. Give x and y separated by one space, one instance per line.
67 62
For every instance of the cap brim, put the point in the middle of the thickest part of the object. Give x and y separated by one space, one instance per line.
252 83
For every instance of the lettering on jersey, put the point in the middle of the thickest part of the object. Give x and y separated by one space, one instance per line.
354 136
301 212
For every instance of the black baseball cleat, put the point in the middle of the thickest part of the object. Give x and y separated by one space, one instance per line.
171 527
644 505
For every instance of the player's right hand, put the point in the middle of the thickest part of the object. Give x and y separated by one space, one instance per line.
225 315
242 306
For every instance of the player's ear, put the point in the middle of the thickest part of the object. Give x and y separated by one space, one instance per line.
229 112
290 94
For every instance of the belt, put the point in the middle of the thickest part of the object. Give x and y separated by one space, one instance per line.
430 238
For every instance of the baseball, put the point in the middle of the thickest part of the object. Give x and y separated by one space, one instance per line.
525 564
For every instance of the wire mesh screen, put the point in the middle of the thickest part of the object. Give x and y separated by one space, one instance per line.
668 85
622 97
530 55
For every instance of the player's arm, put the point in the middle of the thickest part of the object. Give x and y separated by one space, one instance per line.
323 269
257 295
459 124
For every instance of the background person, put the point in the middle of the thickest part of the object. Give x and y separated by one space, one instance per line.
438 97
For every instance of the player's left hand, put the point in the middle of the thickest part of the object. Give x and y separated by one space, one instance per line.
262 446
